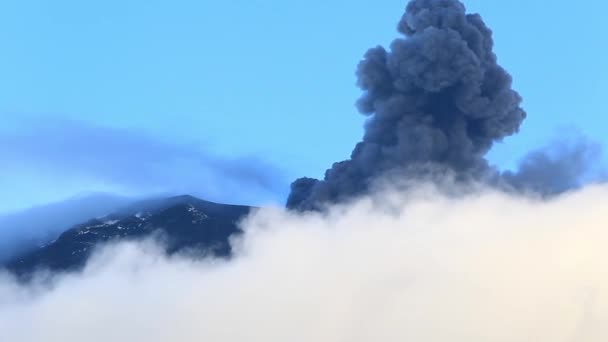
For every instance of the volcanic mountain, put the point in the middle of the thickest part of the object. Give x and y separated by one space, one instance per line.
184 223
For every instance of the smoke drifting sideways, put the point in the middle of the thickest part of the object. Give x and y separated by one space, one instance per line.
437 101
563 165
64 153
419 266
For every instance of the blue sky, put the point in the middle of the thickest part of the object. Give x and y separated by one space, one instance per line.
266 87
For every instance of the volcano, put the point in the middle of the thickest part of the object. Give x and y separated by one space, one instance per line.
183 223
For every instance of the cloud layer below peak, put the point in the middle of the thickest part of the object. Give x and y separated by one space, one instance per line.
423 266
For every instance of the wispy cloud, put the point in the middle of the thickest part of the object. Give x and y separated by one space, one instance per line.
53 152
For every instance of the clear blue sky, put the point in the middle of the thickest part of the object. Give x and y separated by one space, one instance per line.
264 79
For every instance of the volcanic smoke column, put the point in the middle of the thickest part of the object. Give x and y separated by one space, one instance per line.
436 99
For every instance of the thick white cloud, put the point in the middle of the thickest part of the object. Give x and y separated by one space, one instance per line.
423 267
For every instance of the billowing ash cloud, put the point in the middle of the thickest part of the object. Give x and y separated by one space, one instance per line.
483 267
436 99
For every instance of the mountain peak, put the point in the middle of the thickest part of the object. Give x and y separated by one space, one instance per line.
185 222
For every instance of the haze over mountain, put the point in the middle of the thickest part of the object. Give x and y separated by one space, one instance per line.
33 227
51 159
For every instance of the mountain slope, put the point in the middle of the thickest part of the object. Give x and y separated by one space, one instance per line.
26 229
184 222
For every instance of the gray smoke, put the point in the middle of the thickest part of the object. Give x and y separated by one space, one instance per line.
437 99
558 167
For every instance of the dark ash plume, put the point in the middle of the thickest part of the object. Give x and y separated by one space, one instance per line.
436 99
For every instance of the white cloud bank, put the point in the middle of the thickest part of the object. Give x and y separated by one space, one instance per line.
484 267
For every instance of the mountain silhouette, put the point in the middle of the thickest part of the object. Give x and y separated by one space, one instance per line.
184 223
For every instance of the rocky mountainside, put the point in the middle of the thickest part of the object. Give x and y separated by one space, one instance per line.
183 222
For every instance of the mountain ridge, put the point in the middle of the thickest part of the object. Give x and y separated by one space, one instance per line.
28 228
183 222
